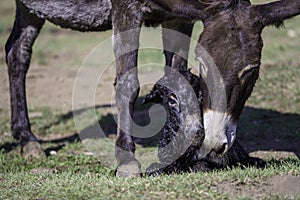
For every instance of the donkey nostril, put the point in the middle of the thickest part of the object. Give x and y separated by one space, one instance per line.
221 149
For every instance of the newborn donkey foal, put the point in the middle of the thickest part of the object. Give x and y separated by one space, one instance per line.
182 135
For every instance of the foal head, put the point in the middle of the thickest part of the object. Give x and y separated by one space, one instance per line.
232 39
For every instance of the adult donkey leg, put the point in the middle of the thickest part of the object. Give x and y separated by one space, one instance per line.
126 27
176 39
18 53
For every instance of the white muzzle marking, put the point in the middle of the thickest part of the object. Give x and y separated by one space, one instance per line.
220 132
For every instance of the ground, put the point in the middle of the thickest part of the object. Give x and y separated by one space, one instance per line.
269 127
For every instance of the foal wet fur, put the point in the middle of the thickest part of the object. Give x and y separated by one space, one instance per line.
173 133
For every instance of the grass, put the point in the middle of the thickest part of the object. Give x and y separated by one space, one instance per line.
73 175
273 109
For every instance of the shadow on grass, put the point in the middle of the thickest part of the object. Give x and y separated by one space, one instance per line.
8 146
268 130
108 125
69 116
259 129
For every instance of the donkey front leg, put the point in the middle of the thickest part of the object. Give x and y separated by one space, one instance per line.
126 27
18 53
176 39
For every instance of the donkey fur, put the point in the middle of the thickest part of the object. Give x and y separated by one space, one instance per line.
83 15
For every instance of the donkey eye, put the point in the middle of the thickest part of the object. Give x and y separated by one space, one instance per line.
248 70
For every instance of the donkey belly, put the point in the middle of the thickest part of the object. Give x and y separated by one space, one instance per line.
82 15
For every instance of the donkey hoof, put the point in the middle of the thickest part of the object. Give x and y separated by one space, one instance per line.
32 150
130 169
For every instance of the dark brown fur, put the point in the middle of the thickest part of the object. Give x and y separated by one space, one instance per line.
232 38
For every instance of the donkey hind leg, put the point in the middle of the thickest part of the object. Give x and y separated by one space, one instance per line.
18 53
126 28
173 42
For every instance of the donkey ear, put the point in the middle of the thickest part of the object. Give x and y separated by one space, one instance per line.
276 12
192 9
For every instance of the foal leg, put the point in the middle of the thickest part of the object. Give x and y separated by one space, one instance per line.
18 53
126 84
236 156
174 44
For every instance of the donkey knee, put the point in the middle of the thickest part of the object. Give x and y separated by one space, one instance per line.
18 52
19 44
127 88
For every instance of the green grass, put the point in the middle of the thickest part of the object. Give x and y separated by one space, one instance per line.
46 122
73 175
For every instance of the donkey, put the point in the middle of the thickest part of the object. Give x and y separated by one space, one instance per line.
182 135
229 51
232 39
231 35
93 15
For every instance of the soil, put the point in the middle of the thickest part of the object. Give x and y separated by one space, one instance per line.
52 87
287 186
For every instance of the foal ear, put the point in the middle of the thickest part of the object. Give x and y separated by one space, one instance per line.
275 13
178 62
192 9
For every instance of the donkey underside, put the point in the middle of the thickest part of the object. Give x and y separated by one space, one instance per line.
80 15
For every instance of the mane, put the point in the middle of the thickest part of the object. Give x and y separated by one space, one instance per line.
219 5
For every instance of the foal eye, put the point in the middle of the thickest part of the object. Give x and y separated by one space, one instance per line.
173 101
